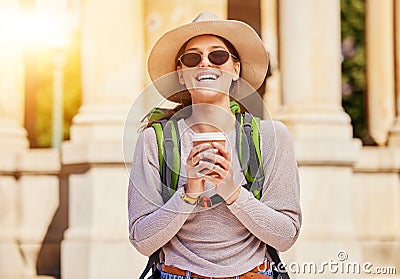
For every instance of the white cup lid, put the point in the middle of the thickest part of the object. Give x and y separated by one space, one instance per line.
208 136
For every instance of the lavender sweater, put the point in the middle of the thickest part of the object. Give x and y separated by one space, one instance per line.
224 240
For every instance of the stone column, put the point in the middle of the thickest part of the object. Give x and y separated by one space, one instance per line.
269 29
311 72
311 83
380 68
394 138
13 140
96 244
12 134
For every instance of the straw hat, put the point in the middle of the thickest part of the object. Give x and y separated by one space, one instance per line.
251 50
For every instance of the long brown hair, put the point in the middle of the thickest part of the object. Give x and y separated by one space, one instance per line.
184 97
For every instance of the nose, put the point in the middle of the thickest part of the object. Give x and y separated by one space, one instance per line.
204 61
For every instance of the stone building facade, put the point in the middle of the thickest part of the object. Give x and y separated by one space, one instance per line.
63 212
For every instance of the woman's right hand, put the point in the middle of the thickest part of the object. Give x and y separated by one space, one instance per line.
195 170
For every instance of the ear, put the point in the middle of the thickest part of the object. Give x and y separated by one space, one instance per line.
180 75
236 70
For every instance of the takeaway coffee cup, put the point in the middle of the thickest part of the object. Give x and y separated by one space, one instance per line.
209 138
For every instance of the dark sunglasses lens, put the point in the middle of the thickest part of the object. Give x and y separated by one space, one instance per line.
191 59
218 57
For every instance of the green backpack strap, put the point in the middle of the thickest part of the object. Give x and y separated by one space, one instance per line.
169 150
158 129
156 114
235 108
250 157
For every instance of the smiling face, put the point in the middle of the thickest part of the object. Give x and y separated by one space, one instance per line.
206 74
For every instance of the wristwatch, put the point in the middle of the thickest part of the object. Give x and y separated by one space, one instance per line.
185 197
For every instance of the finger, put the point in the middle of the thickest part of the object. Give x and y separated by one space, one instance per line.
217 159
214 179
194 161
199 170
209 168
192 169
224 152
198 148
204 168
203 154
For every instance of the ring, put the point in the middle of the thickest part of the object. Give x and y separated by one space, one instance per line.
193 164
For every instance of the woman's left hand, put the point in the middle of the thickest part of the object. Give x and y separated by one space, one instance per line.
221 173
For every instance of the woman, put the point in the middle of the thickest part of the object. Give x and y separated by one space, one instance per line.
212 56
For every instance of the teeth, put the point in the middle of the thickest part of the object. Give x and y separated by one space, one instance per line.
207 76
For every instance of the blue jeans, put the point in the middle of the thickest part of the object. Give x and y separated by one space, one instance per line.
165 275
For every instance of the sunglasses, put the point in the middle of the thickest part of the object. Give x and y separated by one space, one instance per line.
217 57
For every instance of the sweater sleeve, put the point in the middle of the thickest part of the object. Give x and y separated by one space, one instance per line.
151 222
276 218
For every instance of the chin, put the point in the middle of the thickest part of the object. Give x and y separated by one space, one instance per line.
207 94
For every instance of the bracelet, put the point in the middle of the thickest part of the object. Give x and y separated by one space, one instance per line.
187 198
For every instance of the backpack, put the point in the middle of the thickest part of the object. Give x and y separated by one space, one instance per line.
250 157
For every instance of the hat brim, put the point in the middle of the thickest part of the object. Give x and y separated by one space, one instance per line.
251 49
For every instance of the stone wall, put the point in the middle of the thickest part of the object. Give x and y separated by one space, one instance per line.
33 202
376 204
